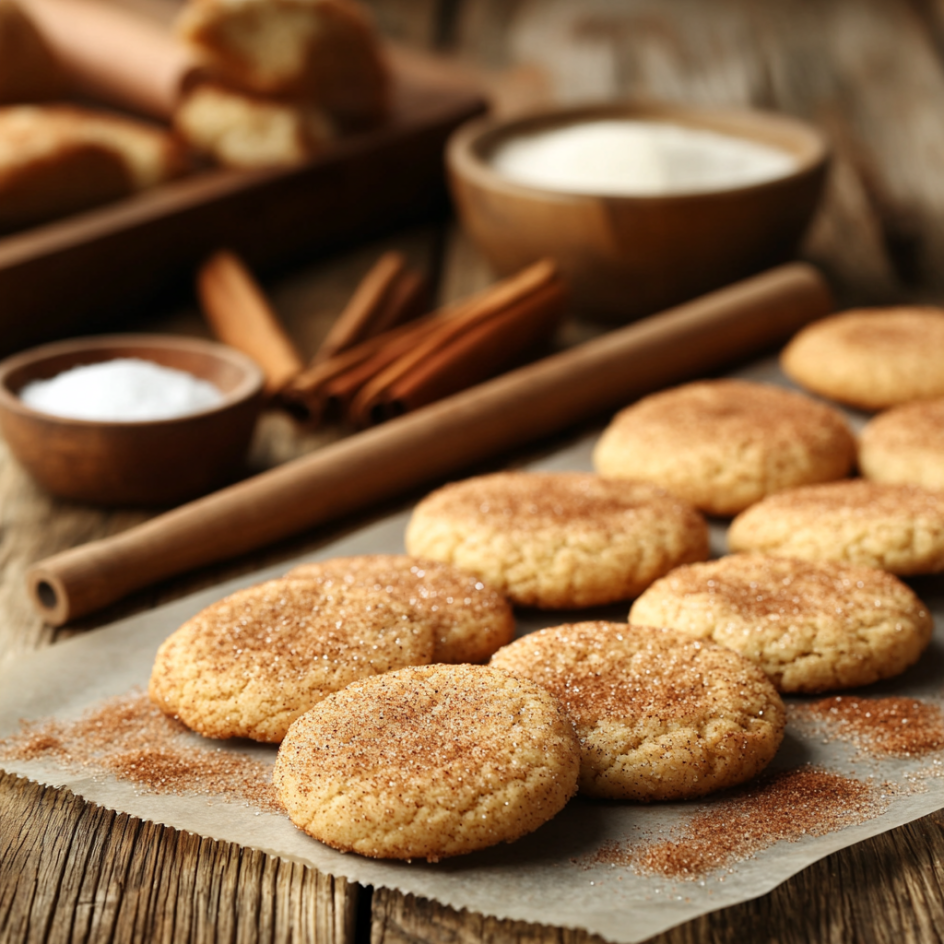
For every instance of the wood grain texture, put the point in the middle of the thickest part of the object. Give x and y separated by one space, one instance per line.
839 65
84 873
869 72
886 890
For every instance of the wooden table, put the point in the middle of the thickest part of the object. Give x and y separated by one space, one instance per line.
871 74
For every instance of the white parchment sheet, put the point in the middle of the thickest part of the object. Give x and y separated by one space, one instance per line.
547 877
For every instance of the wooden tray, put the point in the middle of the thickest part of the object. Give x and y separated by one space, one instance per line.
84 272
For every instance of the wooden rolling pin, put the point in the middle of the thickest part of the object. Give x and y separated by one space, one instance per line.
443 438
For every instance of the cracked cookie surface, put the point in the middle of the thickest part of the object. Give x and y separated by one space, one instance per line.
898 528
659 716
428 762
558 539
905 444
470 620
871 358
725 444
250 664
811 626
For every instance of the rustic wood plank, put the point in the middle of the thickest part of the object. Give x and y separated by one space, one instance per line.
83 873
839 65
887 889
71 871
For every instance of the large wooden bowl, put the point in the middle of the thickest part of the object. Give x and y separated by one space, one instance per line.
628 256
157 462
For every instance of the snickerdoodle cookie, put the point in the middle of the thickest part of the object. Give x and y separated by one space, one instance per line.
899 528
660 716
725 444
905 444
811 626
428 762
250 664
871 358
558 539
469 620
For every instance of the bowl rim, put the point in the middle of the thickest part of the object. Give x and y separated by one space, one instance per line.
468 145
249 386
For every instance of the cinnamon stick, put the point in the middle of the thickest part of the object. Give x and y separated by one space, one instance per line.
438 440
366 306
240 315
405 301
114 55
467 347
307 391
483 305
342 389
485 349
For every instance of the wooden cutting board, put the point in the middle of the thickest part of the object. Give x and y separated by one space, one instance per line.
88 271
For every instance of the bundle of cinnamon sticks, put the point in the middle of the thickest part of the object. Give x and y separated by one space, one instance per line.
379 359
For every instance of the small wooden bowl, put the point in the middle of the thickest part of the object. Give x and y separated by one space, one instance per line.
157 462
628 256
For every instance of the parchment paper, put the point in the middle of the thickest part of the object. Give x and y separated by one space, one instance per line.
547 877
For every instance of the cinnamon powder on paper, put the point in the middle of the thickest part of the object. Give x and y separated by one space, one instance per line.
129 738
884 727
783 807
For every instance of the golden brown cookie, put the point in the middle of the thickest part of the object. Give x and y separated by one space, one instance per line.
240 130
469 620
250 664
899 528
428 762
558 539
57 159
323 53
871 358
725 444
660 716
905 444
811 626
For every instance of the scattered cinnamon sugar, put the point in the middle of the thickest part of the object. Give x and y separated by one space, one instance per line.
807 801
129 738
885 727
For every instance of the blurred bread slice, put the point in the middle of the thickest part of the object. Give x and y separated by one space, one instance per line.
55 160
322 52
240 130
28 70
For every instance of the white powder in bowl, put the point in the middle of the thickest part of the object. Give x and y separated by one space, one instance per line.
121 390
637 158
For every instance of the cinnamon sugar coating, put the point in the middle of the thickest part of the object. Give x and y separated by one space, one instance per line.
905 444
898 528
660 716
725 444
250 664
428 762
811 626
470 621
871 358
558 539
